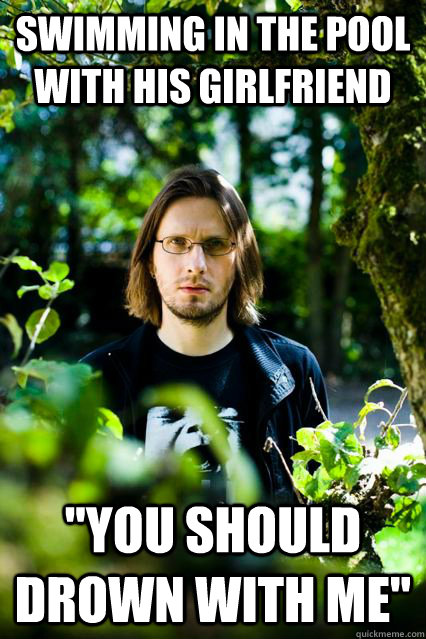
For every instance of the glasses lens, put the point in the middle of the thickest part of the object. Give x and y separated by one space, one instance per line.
217 246
176 244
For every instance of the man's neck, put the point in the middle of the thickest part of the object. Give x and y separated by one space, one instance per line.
193 340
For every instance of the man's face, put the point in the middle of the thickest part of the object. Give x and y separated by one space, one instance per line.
194 286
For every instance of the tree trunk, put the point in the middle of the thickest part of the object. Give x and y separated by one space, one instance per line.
42 222
386 228
242 121
75 250
341 285
314 243
354 166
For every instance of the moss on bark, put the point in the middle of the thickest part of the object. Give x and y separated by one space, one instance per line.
385 229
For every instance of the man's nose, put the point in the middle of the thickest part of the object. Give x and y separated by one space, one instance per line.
196 259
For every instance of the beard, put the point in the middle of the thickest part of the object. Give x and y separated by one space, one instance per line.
194 315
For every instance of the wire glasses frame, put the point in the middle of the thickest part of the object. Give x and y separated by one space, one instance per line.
178 245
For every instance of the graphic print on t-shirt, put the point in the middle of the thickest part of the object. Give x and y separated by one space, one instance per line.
181 432
224 377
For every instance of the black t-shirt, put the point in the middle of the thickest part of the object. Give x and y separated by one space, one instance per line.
224 376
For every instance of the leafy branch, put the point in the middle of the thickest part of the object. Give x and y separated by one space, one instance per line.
383 480
44 322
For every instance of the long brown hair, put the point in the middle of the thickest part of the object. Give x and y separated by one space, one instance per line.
142 295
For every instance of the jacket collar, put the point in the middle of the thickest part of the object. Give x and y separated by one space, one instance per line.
275 377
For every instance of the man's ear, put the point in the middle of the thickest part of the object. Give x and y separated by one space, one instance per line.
151 267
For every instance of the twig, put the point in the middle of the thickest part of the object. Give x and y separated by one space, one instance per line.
395 410
7 264
38 328
269 444
318 405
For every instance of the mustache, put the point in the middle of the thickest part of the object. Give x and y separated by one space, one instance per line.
194 283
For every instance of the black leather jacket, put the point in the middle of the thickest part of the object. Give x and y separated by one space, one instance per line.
284 402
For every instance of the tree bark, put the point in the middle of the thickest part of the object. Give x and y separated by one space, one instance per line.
242 122
315 287
386 228
341 286
42 222
353 159
75 249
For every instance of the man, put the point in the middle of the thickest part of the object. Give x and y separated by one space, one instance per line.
195 278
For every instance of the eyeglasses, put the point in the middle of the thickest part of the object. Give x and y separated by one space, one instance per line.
215 246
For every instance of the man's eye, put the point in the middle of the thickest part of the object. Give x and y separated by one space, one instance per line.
178 241
214 243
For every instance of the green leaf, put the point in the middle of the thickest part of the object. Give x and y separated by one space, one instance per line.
14 58
108 419
401 480
25 263
155 6
332 459
393 436
47 291
324 425
418 470
312 486
301 478
380 384
6 119
83 491
386 472
211 6
50 371
343 429
319 484
351 477
343 446
7 96
7 109
294 4
380 442
334 432
305 456
9 321
29 93
361 422
405 514
41 446
51 323
306 437
65 285
24 289
56 272
352 449
37 369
